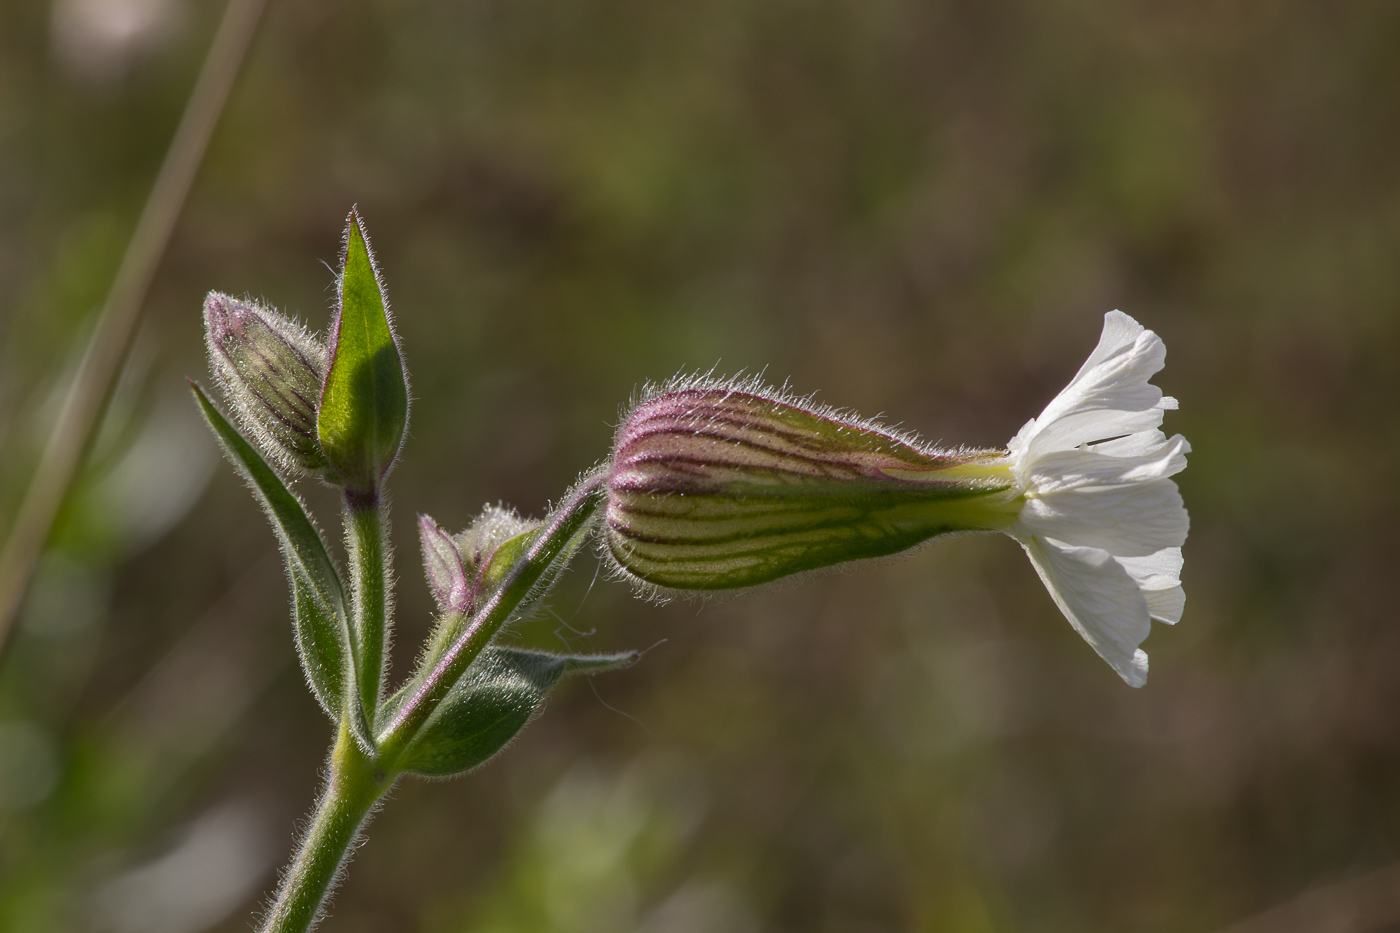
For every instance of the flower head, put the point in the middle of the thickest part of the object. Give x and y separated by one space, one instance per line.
1102 522
719 486
271 370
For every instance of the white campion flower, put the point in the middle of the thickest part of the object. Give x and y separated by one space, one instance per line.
725 485
1102 521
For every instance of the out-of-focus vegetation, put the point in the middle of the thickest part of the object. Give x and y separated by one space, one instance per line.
917 208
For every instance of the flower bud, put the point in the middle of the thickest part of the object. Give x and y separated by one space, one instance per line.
494 527
716 487
271 370
442 564
463 569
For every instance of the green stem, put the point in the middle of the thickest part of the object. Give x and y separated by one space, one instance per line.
354 785
366 541
554 540
358 779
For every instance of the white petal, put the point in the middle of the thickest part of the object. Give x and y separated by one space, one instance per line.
1159 577
1126 520
1166 605
1017 445
1137 458
1099 599
1155 571
1108 397
1090 422
1142 444
1119 333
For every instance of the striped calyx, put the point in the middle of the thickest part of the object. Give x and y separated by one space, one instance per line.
271 370
715 487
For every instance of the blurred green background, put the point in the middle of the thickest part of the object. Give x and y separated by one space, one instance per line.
915 208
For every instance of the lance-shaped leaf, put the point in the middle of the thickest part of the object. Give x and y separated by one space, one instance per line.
497 697
364 403
318 598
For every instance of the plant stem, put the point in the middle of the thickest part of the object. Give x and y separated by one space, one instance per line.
365 539
358 779
354 785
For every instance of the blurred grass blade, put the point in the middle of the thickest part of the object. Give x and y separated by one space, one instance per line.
111 339
322 626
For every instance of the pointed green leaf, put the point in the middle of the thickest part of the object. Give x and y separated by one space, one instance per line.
319 645
496 698
322 632
364 402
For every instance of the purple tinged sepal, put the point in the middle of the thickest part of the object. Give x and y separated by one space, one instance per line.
715 486
463 569
442 564
271 369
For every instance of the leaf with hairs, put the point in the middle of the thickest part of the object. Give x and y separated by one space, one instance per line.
497 697
318 597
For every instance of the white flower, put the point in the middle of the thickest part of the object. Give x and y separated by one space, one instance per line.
1102 523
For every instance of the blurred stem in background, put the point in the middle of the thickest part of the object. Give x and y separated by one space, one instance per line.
111 339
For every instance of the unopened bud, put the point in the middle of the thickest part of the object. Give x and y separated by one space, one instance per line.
493 529
462 569
715 487
271 370
442 564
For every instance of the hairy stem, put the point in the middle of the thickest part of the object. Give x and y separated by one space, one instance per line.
359 778
366 536
354 785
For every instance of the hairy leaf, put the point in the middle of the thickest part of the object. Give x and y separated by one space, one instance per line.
364 403
496 698
318 598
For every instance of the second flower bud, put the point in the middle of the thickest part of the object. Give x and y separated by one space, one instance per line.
271 370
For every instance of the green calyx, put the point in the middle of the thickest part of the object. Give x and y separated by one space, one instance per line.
720 541
715 488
